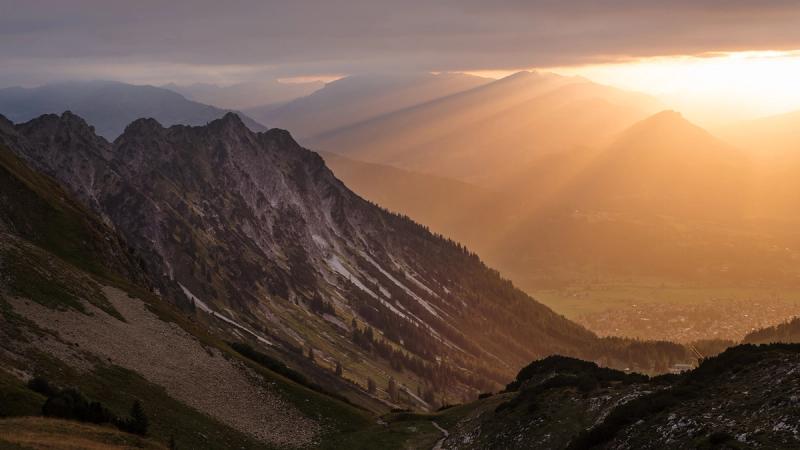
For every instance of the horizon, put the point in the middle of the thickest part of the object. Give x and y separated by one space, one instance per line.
732 70
663 78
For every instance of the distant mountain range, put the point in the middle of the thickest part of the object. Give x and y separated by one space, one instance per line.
109 106
431 200
267 93
353 99
775 137
479 135
661 200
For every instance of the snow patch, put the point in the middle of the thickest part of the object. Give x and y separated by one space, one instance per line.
204 307
402 286
393 309
320 241
336 264
420 284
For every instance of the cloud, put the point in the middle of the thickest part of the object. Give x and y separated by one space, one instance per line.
245 39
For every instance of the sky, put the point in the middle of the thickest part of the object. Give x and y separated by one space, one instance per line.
156 42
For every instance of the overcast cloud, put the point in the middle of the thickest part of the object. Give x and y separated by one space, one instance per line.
225 41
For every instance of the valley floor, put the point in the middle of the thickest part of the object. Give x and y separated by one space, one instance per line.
656 311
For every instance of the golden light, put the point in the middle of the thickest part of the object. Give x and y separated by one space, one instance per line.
712 89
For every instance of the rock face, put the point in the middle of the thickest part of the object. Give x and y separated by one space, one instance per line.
257 231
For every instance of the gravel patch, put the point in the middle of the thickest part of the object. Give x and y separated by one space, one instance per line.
166 355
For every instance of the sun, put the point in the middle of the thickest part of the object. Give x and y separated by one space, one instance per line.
713 89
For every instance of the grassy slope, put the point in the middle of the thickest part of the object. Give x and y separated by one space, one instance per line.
53 434
43 213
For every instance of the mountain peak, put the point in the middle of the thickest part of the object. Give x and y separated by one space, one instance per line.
70 117
668 116
143 126
668 124
67 123
230 119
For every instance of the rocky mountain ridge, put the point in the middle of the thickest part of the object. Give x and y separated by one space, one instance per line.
255 230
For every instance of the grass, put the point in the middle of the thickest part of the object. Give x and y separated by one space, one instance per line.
394 431
16 399
35 275
336 416
117 388
48 218
410 430
55 434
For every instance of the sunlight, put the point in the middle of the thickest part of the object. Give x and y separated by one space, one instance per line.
712 89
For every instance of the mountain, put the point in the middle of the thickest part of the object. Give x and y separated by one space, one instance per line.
663 191
480 134
771 143
79 323
438 202
255 233
246 95
768 137
564 403
612 235
356 98
108 106
659 172
662 164
230 284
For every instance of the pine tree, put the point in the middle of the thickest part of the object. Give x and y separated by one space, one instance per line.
138 422
339 369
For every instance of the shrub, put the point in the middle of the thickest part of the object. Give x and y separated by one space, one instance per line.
71 404
563 365
272 364
42 386
137 423
278 367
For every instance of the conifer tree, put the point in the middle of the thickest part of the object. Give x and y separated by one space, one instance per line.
138 421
